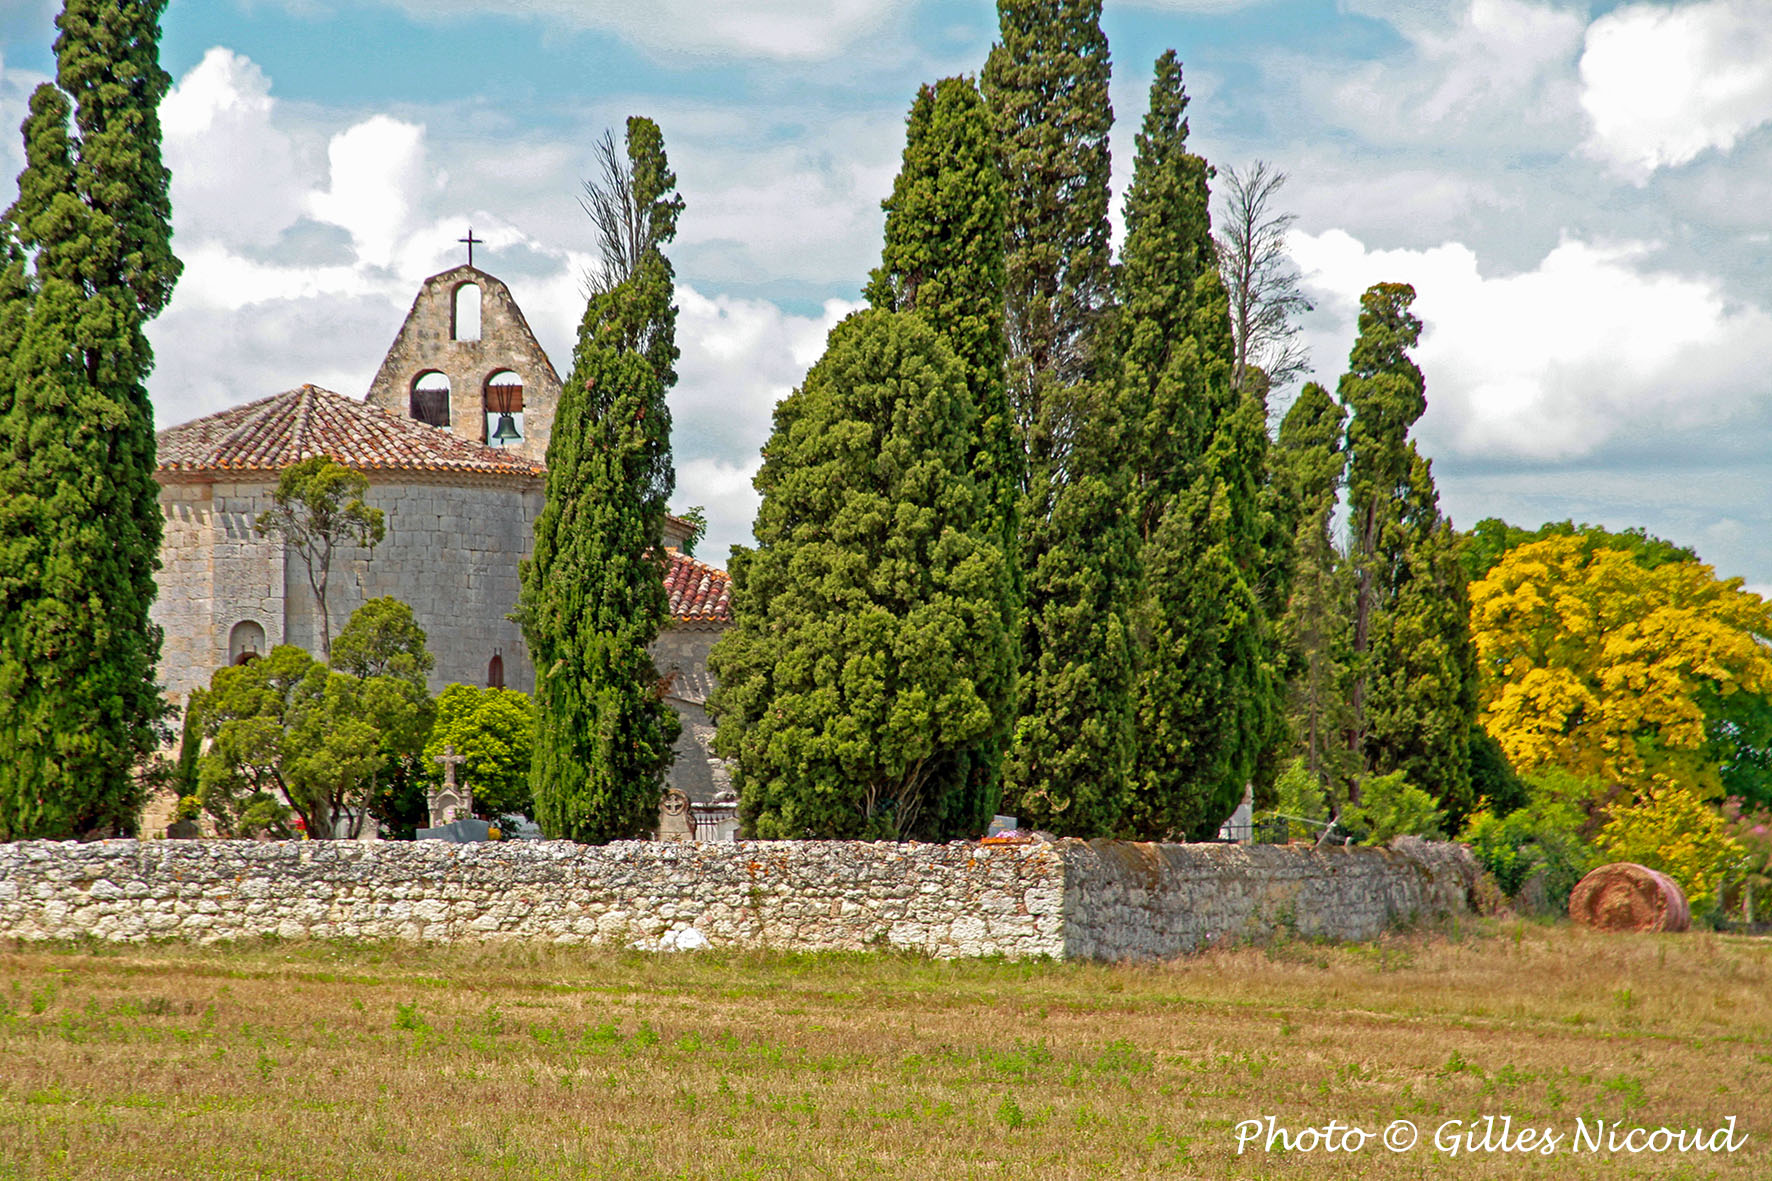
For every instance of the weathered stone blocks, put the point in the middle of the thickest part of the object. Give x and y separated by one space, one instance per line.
1069 899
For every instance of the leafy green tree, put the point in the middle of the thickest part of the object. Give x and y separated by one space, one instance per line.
943 260
494 730
318 506
1490 539
1390 806
1413 695
292 739
85 262
382 639
593 591
1207 696
868 640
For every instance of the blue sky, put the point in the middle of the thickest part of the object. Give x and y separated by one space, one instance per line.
1581 193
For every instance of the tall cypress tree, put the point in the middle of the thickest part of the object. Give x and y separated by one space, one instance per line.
79 515
593 592
1413 696
1207 691
868 645
1046 82
943 260
1309 463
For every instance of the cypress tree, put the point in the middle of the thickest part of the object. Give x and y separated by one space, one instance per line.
1413 697
593 592
1046 82
79 515
1309 463
943 259
1206 697
868 644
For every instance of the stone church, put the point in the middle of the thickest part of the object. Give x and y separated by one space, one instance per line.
452 438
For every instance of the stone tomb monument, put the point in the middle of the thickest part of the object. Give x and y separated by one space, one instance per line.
450 802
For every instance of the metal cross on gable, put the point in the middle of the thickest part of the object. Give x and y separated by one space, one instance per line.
449 759
472 242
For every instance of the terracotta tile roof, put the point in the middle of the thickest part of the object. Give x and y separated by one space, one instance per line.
271 434
699 593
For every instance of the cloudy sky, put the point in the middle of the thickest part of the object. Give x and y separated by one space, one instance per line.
1580 192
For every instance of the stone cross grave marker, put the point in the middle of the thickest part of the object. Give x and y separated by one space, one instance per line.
450 802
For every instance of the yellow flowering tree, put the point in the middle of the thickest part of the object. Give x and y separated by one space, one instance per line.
1672 830
1594 663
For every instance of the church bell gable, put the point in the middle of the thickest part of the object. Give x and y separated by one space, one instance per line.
466 361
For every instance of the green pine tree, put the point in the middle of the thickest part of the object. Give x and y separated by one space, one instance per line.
1413 696
87 261
1207 695
943 259
868 643
593 591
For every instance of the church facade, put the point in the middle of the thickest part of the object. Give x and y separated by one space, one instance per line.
451 438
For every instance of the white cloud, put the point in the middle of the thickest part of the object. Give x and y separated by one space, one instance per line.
217 130
1662 85
1555 362
1495 70
378 175
740 357
775 29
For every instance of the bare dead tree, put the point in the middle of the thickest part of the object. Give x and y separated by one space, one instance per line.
1260 277
624 230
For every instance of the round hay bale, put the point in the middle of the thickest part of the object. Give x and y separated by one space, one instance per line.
1627 897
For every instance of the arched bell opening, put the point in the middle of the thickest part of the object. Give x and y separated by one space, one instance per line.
430 398
504 409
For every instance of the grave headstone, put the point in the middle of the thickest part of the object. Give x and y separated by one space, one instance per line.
675 823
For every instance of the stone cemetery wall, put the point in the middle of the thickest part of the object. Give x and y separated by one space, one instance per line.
1101 900
1136 901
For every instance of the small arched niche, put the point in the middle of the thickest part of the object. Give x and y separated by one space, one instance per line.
430 398
495 671
246 642
504 409
466 325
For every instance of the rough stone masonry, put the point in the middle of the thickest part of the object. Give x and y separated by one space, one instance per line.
1069 899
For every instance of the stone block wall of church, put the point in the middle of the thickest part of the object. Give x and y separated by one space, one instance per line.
451 552
681 656
215 573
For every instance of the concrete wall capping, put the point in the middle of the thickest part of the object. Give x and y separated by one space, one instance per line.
1101 900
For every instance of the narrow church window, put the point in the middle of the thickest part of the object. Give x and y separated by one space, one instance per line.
504 409
430 398
246 642
495 672
467 312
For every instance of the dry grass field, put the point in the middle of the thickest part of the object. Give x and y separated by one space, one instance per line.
304 1060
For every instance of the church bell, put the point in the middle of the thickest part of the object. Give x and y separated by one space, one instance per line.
506 431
